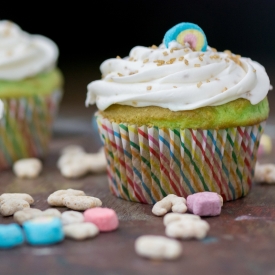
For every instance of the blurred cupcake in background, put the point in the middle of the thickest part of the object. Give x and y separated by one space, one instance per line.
31 88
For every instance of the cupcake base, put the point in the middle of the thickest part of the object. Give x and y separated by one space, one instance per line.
26 127
146 164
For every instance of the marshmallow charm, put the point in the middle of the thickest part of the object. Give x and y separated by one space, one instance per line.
205 204
187 33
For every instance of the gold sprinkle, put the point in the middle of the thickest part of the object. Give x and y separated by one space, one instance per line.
224 89
181 58
186 50
175 87
149 88
199 84
171 61
131 73
202 54
254 71
226 60
159 62
207 80
119 74
165 53
134 103
214 50
227 52
154 47
145 60
200 58
118 57
197 65
131 58
238 56
186 62
217 79
215 56
174 49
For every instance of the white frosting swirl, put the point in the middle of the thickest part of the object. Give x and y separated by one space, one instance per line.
23 55
178 79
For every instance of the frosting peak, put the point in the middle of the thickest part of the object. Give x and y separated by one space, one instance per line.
23 55
177 78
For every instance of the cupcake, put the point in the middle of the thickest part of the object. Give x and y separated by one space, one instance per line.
30 89
180 118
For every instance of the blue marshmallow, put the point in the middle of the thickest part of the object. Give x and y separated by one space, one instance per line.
43 231
11 235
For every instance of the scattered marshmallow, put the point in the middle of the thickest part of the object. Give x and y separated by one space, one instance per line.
74 162
28 168
158 247
43 231
104 218
170 202
205 204
69 217
187 229
11 235
80 231
264 173
55 199
81 203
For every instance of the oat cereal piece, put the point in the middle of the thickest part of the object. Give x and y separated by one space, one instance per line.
80 231
80 203
10 206
28 168
23 196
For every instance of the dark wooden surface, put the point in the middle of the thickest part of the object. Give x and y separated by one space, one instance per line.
240 241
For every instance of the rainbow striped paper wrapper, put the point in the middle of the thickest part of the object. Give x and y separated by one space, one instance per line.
26 127
146 164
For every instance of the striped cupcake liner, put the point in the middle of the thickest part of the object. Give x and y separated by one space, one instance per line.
26 127
146 164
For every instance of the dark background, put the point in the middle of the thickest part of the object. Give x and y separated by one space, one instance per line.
87 34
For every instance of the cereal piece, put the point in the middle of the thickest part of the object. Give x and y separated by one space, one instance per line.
26 214
80 231
10 206
81 203
79 164
264 173
170 202
11 235
97 162
51 212
55 199
77 167
27 168
187 229
158 247
104 218
68 157
72 149
173 217
43 231
205 204
23 196
69 217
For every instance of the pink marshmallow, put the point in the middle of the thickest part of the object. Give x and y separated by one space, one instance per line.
104 218
204 204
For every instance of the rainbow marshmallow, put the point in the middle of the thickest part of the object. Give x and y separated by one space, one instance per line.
187 32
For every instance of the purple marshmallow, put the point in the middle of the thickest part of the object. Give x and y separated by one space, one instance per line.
204 204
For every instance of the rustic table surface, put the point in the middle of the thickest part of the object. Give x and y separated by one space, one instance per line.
240 241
